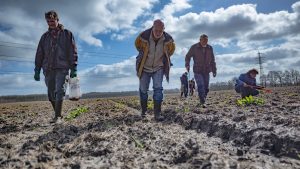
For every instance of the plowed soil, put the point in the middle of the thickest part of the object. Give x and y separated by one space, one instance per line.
111 134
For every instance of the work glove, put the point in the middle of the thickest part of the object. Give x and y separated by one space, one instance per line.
37 75
73 73
214 74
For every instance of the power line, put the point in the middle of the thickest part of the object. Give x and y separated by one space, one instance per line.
88 76
16 43
260 62
29 61
8 58
80 51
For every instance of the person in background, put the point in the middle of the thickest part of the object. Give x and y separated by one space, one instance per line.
56 54
184 84
204 63
155 47
246 84
192 86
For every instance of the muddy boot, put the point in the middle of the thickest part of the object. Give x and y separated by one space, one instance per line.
157 111
58 108
144 107
201 105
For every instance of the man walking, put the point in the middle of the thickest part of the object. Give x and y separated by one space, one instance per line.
155 48
204 63
56 55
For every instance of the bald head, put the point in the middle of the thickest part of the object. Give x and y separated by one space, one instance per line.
158 28
159 23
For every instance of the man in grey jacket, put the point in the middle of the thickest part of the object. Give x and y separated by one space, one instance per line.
56 55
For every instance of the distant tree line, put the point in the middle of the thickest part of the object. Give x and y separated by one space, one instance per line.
271 79
43 97
23 98
281 78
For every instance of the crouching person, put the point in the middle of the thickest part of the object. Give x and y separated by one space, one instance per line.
155 48
246 84
56 55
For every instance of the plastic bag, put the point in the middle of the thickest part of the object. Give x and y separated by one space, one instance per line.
74 89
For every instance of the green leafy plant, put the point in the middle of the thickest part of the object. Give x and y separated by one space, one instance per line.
186 109
75 113
150 105
249 101
137 142
119 106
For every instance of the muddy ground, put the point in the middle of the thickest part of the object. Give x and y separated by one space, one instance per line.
111 134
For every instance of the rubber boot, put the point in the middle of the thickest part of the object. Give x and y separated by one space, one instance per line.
144 107
58 108
53 104
157 111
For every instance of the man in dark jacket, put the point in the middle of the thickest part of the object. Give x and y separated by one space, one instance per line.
204 63
184 83
155 48
56 55
246 84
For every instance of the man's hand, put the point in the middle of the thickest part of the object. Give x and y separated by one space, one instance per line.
214 74
37 75
259 87
188 68
73 73
246 85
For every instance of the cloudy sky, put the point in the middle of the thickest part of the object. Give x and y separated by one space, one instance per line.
105 31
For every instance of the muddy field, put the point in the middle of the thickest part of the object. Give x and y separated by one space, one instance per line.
111 134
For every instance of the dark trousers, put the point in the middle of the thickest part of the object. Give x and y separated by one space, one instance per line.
247 91
185 90
56 83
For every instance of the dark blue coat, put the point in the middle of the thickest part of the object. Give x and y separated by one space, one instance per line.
244 78
184 79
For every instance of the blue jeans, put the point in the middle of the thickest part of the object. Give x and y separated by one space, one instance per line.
202 81
157 78
56 83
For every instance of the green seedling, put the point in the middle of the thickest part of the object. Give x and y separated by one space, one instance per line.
150 105
33 114
75 113
119 106
249 101
137 142
186 109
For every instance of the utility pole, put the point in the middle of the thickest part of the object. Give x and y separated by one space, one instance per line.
261 76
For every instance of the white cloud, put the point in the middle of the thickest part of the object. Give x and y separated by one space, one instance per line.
174 6
85 18
239 25
19 84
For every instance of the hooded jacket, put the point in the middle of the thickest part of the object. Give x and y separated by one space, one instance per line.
142 45
244 78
